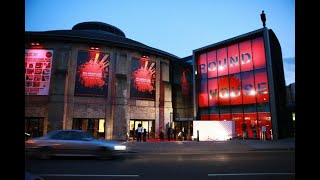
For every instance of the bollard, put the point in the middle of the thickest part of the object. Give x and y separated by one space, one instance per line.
198 135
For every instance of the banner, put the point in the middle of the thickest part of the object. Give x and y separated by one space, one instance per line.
37 71
143 77
92 74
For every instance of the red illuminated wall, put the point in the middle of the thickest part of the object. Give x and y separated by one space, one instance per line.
203 95
235 76
235 89
240 71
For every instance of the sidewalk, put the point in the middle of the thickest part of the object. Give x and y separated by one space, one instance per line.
201 147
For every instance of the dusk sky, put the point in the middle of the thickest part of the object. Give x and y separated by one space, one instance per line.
175 26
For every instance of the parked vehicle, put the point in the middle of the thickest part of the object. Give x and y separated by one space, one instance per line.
73 143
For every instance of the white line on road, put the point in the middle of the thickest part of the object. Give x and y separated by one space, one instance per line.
250 174
88 175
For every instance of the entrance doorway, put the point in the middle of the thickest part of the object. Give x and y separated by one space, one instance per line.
146 124
33 126
185 127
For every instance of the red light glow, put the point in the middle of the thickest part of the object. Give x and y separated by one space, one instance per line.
35 44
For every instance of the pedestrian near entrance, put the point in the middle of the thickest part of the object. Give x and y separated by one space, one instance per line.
182 134
144 135
264 130
169 133
139 132
161 135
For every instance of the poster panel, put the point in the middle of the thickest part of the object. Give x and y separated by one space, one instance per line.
248 88
224 94
213 92
92 74
233 57
246 56
222 61
212 64
143 79
38 64
258 51
261 85
235 89
203 95
202 66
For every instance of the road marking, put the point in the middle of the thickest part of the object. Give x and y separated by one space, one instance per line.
250 174
88 175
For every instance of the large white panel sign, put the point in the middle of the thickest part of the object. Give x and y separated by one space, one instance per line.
213 130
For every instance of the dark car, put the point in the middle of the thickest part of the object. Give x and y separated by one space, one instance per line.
73 143
29 176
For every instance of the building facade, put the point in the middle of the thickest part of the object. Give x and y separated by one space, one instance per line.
291 103
182 96
242 80
94 78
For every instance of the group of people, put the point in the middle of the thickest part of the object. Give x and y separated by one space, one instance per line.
141 134
175 132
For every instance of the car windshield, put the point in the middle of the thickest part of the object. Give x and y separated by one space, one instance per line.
86 135
70 135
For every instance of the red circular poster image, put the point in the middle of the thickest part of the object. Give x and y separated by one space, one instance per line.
48 54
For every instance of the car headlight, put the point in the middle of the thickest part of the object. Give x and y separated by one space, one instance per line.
120 147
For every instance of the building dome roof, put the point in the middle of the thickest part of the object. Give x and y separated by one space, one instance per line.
98 26
96 33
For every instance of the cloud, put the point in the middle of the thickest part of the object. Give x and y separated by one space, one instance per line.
289 70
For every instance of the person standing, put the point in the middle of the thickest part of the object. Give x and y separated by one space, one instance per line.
169 133
175 133
161 134
254 131
264 130
182 134
144 135
263 18
139 132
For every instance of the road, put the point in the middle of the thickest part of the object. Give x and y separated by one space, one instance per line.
276 165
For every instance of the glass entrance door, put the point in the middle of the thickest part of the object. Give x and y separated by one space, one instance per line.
146 124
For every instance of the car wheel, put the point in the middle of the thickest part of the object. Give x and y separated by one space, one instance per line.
104 153
45 153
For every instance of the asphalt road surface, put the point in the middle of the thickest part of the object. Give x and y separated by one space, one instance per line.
263 165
